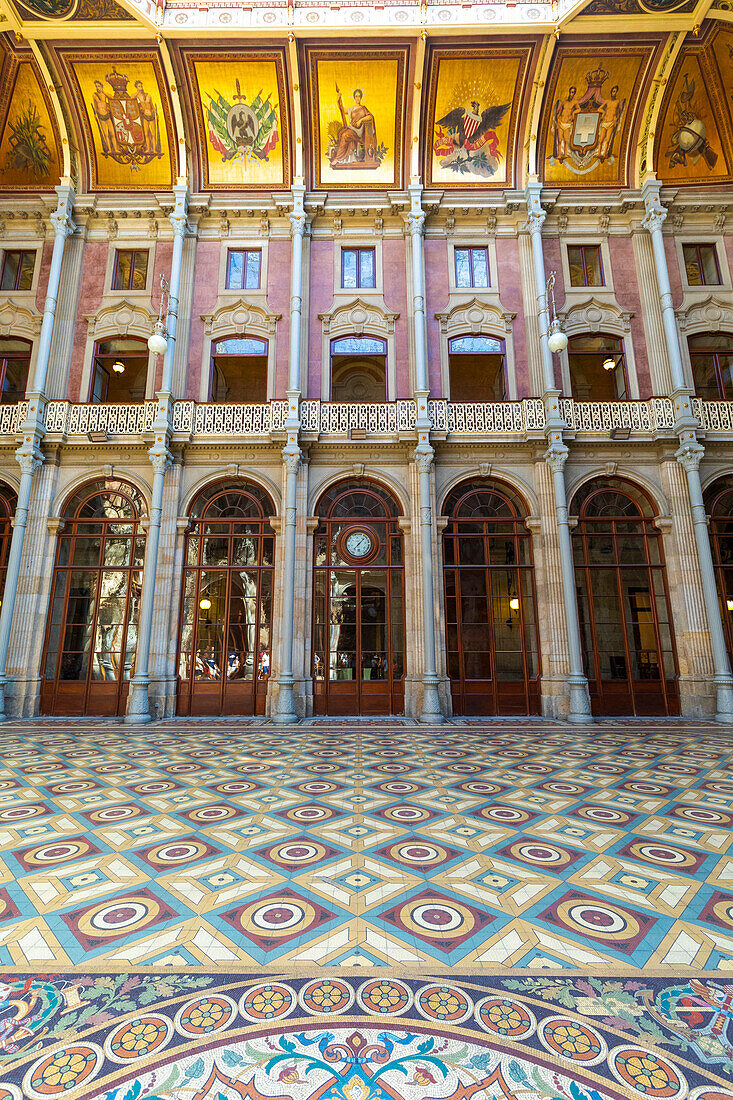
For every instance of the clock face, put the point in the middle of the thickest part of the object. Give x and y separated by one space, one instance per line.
359 544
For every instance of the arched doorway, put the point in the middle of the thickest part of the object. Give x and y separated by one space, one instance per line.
490 622
8 503
91 634
623 604
226 603
719 506
358 602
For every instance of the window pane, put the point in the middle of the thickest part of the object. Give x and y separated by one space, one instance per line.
140 271
10 270
692 266
348 268
15 380
463 267
252 280
235 271
575 264
709 265
367 267
28 263
480 267
593 266
122 271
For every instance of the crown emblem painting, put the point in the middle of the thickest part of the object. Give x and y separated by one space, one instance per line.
584 127
128 124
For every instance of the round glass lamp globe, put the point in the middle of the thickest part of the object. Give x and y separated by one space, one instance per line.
557 341
158 343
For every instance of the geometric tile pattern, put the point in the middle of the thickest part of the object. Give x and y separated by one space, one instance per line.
493 846
363 1037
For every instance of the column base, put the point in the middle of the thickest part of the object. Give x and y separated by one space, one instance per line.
579 712
138 704
285 713
3 715
431 714
724 703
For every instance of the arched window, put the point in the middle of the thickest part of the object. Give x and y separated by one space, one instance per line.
8 503
719 506
477 368
226 614
239 370
120 371
623 605
91 635
711 355
15 361
597 368
358 369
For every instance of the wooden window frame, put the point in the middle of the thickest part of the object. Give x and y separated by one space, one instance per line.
22 253
245 252
133 253
4 366
359 251
471 249
697 245
583 248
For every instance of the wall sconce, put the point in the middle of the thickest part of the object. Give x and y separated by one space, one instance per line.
609 363
205 604
118 367
158 340
556 340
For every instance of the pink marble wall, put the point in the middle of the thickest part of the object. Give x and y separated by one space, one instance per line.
93 273
510 296
278 301
46 253
395 299
552 247
437 297
728 248
321 300
205 286
626 285
673 267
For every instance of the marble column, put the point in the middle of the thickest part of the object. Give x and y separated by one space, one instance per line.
430 712
285 712
138 701
690 453
556 456
29 453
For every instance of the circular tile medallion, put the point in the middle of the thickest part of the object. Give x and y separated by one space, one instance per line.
326 995
205 1015
647 1073
384 997
56 1074
506 1018
137 1038
443 1002
573 1040
269 1001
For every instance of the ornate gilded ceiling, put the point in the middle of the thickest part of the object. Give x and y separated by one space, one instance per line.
129 96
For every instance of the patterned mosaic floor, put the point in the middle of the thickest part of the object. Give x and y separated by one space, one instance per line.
366 911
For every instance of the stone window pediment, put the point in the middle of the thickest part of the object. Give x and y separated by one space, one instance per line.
241 317
16 320
595 315
123 318
358 317
475 317
710 314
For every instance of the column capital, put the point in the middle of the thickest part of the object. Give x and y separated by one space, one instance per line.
29 459
556 456
178 216
291 457
159 459
424 455
61 219
416 216
690 453
535 214
655 213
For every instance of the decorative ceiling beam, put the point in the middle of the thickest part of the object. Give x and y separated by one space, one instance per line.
296 114
644 161
56 103
415 145
529 166
178 127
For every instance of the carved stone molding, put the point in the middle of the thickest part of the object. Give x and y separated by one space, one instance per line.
241 317
16 320
121 319
594 315
358 317
711 313
475 317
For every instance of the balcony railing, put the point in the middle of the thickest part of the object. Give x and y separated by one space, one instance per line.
390 419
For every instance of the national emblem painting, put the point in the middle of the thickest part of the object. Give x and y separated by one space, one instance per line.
29 155
473 108
357 109
127 124
241 113
688 145
588 114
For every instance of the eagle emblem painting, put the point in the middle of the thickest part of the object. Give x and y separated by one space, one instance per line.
242 131
466 139
128 125
584 127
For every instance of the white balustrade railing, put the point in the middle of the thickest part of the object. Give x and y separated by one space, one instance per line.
68 418
603 416
341 417
714 416
11 417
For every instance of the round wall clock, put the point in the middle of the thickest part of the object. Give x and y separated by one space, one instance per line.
358 544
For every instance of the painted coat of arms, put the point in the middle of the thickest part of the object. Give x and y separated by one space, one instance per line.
466 139
239 130
584 127
128 121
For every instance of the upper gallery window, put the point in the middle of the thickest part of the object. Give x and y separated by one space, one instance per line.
358 369
701 264
472 267
17 270
244 267
131 269
358 269
711 355
477 368
597 368
120 371
239 369
584 262
15 361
